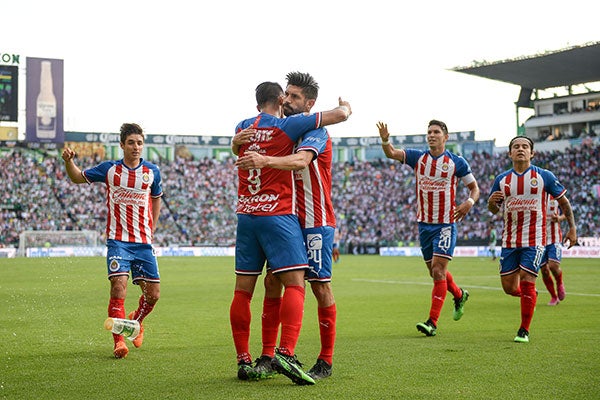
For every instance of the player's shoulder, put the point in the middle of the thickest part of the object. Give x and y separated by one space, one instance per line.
455 157
545 173
106 165
148 164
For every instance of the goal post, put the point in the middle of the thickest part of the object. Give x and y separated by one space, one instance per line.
85 239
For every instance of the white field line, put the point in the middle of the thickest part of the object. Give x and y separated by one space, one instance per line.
465 286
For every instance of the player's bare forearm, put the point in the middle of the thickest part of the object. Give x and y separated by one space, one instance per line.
73 170
293 162
156 202
336 115
388 148
571 236
474 192
463 209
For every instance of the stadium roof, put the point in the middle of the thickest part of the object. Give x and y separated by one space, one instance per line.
570 66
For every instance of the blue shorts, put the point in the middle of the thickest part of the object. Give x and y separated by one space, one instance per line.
276 238
553 252
437 240
319 248
137 258
525 258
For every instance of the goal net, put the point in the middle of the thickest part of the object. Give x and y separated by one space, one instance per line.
36 243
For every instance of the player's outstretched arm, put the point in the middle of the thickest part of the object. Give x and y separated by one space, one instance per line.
68 155
337 115
294 162
570 238
388 148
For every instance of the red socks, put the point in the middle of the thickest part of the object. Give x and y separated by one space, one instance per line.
116 309
144 308
549 283
438 295
270 325
452 288
291 311
327 317
528 300
240 317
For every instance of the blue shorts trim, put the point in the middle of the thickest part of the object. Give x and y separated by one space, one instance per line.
276 238
139 259
437 240
319 248
521 258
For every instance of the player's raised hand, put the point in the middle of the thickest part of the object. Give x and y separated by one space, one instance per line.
383 131
68 154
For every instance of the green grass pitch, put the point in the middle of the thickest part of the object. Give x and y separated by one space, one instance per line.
53 345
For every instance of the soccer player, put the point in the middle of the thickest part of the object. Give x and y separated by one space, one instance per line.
337 237
523 193
268 227
437 172
312 163
553 254
133 191
492 241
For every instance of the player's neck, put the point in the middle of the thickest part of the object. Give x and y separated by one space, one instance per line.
437 151
272 110
521 166
132 163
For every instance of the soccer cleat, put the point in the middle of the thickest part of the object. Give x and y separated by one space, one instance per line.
245 371
292 368
263 369
121 349
321 369
427 327
553 301
459 305
522 336
139 339
561 292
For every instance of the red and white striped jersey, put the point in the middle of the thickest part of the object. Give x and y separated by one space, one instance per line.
313 183
128 193
437 181
554 233
526 205
270 191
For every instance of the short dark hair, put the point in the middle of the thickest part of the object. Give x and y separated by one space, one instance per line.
438 123
268 93
130 129
310 87
520 137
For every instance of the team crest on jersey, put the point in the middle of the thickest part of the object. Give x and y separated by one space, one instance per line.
114 266
145 177
533 182
445 167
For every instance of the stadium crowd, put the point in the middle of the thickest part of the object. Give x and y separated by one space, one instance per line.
374 201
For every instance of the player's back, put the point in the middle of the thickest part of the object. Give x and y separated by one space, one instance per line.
270 191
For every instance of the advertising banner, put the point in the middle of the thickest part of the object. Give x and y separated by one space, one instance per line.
44 101
9 91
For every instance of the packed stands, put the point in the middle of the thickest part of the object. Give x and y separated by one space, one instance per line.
374 201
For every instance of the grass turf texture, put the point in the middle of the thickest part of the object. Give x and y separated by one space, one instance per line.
53 345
